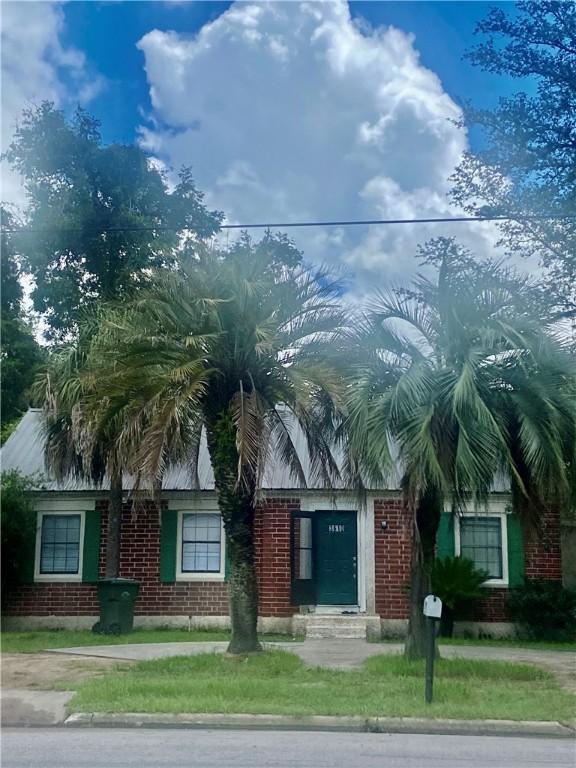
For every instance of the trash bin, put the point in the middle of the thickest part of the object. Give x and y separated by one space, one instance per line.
117 598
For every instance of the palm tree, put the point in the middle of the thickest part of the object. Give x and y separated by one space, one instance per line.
73 447
465 377
230 344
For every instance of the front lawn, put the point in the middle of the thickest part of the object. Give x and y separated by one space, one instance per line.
32 642
536 645
277 682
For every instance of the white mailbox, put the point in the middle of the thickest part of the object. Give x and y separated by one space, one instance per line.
432 607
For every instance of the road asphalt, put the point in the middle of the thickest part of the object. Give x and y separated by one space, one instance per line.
148 748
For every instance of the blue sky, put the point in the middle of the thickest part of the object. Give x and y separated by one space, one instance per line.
107 32
285 111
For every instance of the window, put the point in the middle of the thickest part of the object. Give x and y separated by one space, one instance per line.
303 547
59 543
201 543
482 539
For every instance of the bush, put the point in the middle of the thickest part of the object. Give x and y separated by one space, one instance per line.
457 582
18 527
543 610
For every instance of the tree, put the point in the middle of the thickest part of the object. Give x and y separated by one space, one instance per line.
21 353
230 344
467 380
528 164
17 527
98 215
73 447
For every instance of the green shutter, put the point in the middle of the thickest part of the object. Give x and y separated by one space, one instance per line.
445 544
168 541
515 551
91 547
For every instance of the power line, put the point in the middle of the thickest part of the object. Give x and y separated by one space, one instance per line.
297 224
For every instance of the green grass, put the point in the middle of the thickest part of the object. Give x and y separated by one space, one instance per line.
32 642
276 682
537 645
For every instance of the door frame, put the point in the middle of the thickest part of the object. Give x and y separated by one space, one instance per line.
315 502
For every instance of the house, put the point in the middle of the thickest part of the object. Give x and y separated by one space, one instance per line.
326 564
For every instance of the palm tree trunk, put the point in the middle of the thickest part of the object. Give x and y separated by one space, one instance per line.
236 503
114 532
425 528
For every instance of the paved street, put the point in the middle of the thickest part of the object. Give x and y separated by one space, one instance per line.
118 748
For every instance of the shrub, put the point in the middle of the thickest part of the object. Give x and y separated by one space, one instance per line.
543 610
457 582
18 527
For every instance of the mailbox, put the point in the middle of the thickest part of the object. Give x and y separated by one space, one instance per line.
432 607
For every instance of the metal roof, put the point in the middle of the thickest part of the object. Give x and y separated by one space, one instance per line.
24 451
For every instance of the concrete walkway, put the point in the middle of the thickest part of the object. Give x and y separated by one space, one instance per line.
345 654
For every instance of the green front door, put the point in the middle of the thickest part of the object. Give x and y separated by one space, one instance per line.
335 558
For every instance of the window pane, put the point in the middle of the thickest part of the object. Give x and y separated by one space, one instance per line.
302 548
481 542
201 543
60 544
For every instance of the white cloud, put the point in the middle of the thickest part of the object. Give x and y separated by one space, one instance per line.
292 111
36 66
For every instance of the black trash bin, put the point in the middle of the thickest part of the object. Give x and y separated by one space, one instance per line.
117 598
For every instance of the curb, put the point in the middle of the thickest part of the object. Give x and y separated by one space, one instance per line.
550 729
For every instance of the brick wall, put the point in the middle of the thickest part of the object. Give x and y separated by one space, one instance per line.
140 560
273 556
392 558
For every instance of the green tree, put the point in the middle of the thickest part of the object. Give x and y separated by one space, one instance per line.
17 526
21 353
528 164
230 344
98 215
467 380
73 446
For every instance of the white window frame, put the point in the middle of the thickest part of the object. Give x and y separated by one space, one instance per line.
58 577
502 516
199 575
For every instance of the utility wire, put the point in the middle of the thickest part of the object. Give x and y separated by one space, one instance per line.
294 224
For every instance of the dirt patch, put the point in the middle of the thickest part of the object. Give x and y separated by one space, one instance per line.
47 671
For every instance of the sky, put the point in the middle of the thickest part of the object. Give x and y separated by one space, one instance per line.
285 110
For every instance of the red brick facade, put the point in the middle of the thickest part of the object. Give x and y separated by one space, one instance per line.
273 556
140 559
391 559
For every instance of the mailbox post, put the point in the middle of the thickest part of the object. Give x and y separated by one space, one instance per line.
433 612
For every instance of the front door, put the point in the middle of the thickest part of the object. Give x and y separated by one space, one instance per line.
335 558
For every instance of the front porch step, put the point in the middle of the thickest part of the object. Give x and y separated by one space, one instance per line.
341 627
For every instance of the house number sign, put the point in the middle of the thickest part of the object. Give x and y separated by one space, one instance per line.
335 528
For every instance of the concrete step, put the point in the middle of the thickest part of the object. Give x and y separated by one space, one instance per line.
342 627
